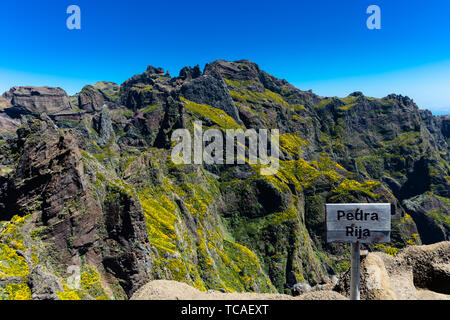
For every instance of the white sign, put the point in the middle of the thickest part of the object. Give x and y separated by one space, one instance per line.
358 222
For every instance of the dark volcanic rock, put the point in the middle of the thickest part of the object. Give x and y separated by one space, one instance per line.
238 70
444 122
430 213
90 99
127 254
50 181
188 73
211 90
173 119
93 98
149 77
146 90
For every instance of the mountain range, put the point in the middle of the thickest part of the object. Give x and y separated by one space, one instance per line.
92 207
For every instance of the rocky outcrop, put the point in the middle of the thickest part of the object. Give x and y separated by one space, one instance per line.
430 266
103 125
418 272
238 70
431 214
7 123
173 119
375 282
36 100
4 103
50 183
93 98
188 73
127 253
90 99
444 122
210 89
43 285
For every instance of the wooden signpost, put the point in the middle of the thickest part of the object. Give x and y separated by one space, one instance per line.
358 223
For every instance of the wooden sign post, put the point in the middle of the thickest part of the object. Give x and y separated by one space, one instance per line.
358 223
355 270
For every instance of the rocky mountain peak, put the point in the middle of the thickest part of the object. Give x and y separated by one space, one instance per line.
189 73
153 70
356 94
237 70
403 100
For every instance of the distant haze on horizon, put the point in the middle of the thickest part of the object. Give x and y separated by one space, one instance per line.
322 45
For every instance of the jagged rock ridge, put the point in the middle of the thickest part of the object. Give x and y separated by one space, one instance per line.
87 181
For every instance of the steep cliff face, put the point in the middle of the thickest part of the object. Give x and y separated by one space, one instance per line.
90 185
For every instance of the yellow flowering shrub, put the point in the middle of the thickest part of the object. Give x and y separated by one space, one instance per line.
11 235
218 116
15 291
68 294
11 264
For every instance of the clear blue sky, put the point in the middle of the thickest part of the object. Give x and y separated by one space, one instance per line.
322 45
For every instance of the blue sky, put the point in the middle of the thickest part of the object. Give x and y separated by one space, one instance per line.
323 45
